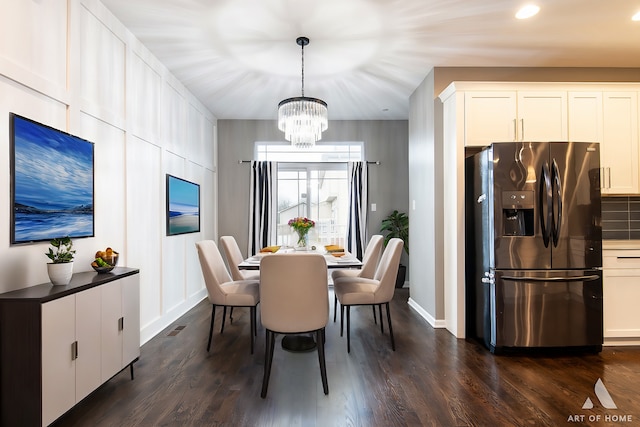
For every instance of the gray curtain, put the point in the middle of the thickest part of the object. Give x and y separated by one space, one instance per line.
262 206
357 224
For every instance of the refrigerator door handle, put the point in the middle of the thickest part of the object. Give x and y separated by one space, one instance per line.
544 194
587 278
557 196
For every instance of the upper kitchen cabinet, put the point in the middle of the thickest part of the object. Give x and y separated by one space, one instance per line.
513 115
489 116
610 118
619 146
542 116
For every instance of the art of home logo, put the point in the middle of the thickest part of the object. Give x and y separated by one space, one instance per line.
606 401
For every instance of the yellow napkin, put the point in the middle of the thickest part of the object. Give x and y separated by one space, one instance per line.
334 248
270 249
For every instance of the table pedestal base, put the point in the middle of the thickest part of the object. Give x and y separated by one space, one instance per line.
298 343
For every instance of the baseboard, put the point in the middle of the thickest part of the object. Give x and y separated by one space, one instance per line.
437 324
162 322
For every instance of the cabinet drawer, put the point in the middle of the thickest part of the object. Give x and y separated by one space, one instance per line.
621 259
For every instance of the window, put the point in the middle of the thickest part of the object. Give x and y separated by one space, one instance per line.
312 183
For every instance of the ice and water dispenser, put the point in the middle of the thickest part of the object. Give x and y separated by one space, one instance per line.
517 213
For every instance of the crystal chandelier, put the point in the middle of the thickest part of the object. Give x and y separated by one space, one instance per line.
302 119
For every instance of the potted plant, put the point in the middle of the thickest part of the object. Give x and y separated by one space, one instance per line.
60 269
396 224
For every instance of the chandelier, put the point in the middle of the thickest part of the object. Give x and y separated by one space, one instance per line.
302 119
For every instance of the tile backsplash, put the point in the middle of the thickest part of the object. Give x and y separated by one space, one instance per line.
621 218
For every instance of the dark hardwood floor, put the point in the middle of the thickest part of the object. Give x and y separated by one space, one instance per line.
431 379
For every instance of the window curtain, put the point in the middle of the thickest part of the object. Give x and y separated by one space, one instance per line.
262 205
357 224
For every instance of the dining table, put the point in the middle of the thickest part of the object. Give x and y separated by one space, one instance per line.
303 342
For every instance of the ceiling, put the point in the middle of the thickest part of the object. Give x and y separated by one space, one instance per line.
365 57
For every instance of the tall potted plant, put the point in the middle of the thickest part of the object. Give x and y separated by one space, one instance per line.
396 224
60 269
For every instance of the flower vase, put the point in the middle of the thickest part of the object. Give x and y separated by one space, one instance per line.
303 242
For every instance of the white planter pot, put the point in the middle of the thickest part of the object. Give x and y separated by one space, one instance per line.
60 274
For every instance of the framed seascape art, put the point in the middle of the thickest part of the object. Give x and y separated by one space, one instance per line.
183 206
52 189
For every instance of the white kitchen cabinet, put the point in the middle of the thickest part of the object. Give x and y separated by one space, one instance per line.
502 116
55 342
542 116
489 116
621 293
619 146
585 116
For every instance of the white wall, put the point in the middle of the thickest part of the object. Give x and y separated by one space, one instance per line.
71 65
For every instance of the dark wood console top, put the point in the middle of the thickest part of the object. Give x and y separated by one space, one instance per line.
79 282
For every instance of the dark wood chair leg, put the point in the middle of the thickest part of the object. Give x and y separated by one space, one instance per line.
213 314
381 322
131 370
375 318
224 314
348 329
393 344
321 359
341 318
231 315
270 342
335 306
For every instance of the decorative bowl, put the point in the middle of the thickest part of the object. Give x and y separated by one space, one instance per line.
111 262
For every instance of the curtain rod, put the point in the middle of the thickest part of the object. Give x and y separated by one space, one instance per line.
368 162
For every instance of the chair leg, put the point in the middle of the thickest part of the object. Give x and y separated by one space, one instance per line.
255 322
341 318
375 318
213 313
380 311
348 329
224 314
270 342
393 344
335 305
231 315
321 359
252 312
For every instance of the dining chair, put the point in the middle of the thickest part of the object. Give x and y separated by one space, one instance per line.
369 264
234 257
294 300
376 291
223 291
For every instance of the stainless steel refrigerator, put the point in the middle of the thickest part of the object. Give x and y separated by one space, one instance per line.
534 246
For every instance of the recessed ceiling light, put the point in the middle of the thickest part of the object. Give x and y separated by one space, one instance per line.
527 11
636 17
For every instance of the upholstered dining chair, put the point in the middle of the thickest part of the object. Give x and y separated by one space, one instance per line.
234 257
294 300
369 264
223 291
376 291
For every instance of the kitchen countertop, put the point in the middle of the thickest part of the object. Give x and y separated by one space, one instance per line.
620 244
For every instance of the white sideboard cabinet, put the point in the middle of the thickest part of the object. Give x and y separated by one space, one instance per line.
59 343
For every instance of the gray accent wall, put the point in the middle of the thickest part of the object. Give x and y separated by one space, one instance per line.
384 140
